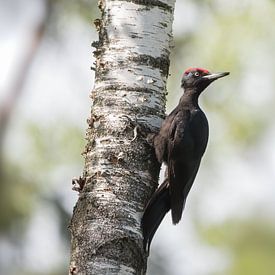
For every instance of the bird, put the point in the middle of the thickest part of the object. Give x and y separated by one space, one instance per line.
180 144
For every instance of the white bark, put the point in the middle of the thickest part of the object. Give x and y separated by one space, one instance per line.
120 170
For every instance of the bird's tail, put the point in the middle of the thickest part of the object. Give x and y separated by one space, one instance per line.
155 211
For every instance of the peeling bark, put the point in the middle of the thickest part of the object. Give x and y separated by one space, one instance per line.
121 171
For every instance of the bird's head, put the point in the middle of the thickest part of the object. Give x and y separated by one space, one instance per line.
198 79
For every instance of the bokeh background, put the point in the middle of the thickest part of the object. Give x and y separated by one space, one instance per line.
45 79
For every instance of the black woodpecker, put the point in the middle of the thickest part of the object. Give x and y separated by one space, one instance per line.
180 144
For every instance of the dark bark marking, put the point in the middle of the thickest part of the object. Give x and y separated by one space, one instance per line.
152 3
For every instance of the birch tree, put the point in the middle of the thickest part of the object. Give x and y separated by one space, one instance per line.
128 103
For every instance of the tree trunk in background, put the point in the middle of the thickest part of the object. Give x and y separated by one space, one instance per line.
121 172
22 69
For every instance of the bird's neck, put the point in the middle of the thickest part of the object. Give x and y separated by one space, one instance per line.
190 98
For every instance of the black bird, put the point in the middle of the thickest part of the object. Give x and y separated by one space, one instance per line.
180 144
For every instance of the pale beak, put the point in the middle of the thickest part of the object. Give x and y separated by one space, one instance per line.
215 76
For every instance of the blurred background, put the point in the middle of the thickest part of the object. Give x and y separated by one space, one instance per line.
228 225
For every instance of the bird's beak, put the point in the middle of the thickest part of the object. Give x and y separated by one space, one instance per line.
215 76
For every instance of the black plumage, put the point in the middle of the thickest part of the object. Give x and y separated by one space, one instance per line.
180 144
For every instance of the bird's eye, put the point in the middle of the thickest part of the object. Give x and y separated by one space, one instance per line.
196 73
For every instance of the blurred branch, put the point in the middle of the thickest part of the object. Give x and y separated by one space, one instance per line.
8 105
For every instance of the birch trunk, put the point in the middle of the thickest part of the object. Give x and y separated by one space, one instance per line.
121 172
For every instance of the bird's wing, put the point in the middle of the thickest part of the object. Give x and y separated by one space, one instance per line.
182 169
160 140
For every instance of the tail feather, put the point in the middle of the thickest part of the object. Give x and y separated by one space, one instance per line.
154 213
